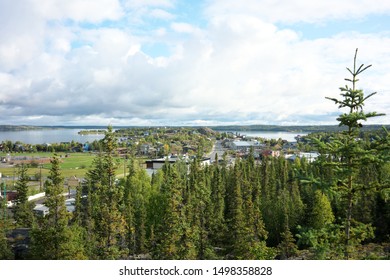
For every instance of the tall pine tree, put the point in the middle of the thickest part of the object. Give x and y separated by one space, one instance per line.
348 153
23 213
105 221
52 238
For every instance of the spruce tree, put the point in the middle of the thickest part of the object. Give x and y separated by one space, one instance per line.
5 248
198 208
287 247
52 238
321 214
217 219
23 213
346 153
169 232
49 236
137 192
236 221
105 221
246 233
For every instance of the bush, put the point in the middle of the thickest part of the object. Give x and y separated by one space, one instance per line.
34 164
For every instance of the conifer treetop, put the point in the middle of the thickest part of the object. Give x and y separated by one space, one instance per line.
353 99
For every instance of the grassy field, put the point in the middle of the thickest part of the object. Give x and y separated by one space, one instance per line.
72 164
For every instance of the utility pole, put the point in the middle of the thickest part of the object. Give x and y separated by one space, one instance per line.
4 200
40 177
124 167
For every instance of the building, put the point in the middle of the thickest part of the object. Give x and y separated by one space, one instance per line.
270 153
70 205
310 157
244 145
290 145
144 149
10 197
41 210
158 163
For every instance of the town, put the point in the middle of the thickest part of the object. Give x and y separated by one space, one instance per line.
152 147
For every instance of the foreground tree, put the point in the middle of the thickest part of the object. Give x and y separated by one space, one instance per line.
346 154
5 249
52 238
170 229
104 221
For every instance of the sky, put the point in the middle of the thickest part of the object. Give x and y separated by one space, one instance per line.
194 62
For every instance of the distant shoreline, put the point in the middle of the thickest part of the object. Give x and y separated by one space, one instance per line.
292 128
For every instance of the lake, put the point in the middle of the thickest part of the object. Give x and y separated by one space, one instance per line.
285 135
69 134
48 136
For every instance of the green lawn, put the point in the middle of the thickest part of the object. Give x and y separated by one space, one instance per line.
74 164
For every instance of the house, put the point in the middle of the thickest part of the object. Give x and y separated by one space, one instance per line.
159 163
144 149
41 210
270 153
10 197
290 145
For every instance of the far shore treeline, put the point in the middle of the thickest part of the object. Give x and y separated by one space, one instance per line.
257 127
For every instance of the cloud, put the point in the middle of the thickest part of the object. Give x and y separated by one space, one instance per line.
139 12
161 14
85 10
298 10
240 67
149 3
182 27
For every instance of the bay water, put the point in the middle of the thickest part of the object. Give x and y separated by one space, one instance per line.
42 136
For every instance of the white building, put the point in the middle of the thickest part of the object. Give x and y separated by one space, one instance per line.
310 157
41 210
244 145
158 163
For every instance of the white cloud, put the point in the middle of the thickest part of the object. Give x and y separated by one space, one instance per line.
161 14
238 68
139 13
183 27
150 3
21 34
253 69
299 10
79 10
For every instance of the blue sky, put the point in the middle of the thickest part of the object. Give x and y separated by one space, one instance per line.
369 24
171 62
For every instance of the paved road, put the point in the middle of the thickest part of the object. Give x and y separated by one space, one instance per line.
217 149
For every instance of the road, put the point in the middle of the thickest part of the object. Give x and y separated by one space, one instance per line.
217 149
